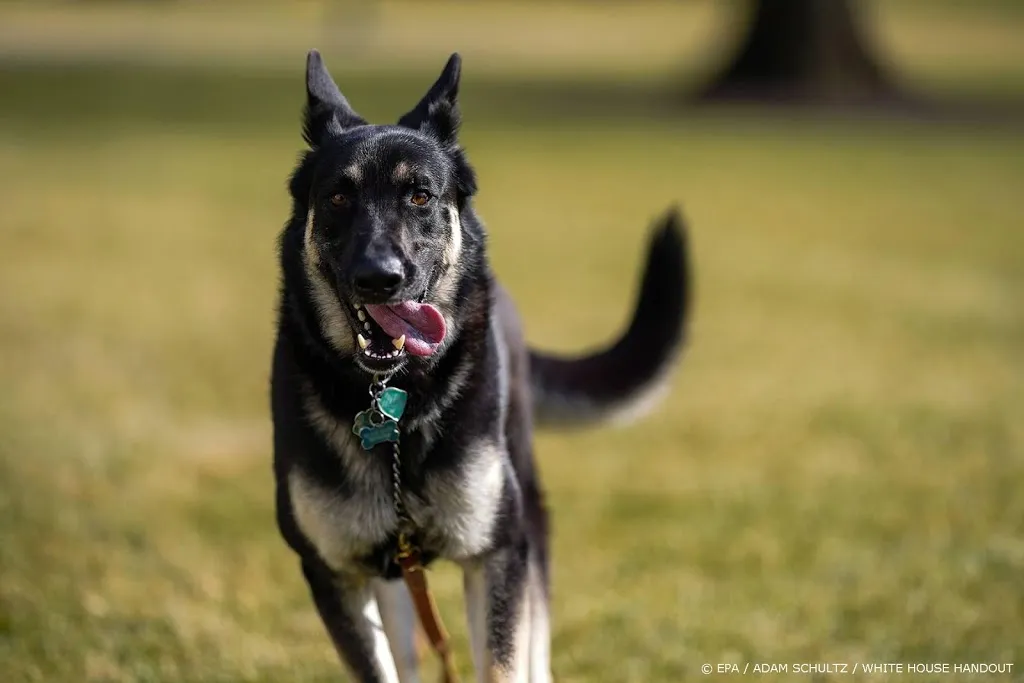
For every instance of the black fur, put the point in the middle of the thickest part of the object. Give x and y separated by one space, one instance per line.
471 403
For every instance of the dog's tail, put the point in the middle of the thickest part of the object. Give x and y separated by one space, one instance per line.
621 382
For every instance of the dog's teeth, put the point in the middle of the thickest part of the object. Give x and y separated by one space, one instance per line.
362 316
363 343
367 326
394 353
356 306
367 352
398 343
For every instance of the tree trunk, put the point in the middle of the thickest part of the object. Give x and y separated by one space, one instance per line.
803 51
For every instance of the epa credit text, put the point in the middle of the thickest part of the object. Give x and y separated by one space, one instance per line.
860 668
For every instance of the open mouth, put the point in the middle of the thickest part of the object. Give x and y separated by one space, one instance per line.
388 333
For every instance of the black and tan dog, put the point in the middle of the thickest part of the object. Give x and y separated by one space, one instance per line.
385 278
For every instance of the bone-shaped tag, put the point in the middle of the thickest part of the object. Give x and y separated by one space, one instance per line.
373 435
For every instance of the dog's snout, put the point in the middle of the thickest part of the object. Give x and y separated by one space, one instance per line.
378 278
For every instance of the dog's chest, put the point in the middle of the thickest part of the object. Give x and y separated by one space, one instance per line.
453 510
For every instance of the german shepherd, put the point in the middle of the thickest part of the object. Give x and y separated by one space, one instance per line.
385 279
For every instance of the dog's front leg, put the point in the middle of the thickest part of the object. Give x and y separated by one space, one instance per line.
498 613
349 611
398 616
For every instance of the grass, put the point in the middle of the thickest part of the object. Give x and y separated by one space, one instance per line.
946 47
834 477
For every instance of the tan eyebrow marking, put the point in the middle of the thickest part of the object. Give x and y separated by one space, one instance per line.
354 173
402 172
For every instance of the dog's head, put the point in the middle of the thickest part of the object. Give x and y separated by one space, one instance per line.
383 235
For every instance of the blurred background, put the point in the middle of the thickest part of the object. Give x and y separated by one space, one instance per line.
836 475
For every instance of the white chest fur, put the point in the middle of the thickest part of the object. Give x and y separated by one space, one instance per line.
455 510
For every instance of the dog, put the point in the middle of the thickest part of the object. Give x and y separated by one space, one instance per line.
385 282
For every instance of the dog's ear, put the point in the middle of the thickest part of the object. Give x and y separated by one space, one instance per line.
437 114
327 110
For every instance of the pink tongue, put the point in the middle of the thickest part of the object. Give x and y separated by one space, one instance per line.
422 324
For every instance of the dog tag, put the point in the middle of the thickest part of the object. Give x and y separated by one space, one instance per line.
391 401
373 435
362 420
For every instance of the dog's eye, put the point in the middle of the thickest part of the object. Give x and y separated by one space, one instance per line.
420 197
339 200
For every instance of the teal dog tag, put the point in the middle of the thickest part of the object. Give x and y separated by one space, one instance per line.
391 402
373 435
362 420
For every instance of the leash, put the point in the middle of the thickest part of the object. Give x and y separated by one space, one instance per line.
379 424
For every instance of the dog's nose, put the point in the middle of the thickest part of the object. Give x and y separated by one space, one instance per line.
378 278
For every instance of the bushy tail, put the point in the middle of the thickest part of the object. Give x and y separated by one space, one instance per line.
623 380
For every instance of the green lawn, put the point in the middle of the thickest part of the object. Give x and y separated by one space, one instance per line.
836 475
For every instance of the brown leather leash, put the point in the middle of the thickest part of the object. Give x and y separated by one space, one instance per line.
415 576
